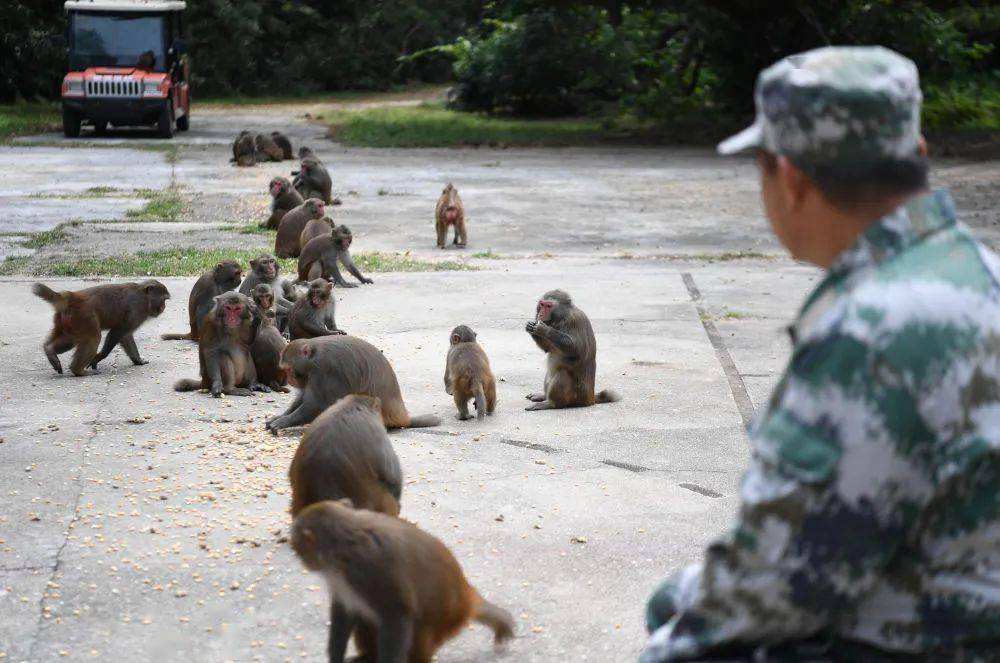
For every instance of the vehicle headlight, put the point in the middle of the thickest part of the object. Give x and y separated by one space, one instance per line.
73 87
152 89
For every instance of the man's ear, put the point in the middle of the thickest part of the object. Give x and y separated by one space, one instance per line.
922 147
793 184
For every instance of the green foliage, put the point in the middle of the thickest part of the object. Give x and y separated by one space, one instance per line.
962 106
22 119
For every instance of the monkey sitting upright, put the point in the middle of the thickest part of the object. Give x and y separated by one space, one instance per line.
243 150
399 590
312 315
320 256
313 180
467 375
281 140
225 276
82 314
564 333
286 242
345 452
450 212
265 269
268 343
266 149
284 198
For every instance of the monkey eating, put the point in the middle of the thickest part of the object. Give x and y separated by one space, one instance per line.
326 369
312 315
564 333
313 179
224 277
268 343
80 315
285 145
265 269
286 242
467 375
397 589
223 349
346 453
284 198
320 256
243 150
266 149
450 212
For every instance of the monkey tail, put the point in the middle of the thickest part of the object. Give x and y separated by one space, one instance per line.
496 618
424 421
58 299
187 384
480 396
607 396
177 337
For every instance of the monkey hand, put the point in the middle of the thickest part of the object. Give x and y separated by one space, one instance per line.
339 332
367 280
217 390
258 386
536 328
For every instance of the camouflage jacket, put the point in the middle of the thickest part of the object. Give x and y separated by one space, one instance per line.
870 512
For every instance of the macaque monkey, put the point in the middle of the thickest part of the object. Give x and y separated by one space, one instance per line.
225 276
450 212
467 375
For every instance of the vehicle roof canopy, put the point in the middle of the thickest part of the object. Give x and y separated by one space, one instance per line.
126 5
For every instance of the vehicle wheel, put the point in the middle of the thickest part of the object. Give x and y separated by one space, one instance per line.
182 122
71 123
100 128
165 124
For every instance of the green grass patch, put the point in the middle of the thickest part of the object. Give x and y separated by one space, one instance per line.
192 262
28 118
342 96
488 255
432 125
163 206
249 229
46 237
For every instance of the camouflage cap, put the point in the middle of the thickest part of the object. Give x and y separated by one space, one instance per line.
839 104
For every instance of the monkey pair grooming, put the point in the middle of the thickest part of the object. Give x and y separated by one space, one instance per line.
450 212
345 452
80 316
287 241
467 375
224 277
565 334
249 149
397 589
328 368
312 315
284 199
224 358
268 343
321 254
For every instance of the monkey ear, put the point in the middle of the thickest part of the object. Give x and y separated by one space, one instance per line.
455 339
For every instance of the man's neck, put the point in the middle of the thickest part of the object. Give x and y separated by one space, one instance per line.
843 228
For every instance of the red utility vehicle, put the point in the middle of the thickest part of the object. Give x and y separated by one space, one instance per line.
127 66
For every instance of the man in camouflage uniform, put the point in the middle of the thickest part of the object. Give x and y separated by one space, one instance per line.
869 527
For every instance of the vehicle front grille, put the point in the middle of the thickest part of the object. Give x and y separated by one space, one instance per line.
113 86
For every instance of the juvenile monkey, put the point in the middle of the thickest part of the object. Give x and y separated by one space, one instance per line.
399 590
265 269
306 152
243 150
564 333
450 212
268 343
223 349
281 140
467 375
266 149
320 256
225 276
315 228
80 316
312 315
346 453
284 199
313 179
286 242
328 368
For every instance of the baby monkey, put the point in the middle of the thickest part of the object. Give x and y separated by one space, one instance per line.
467 375
399 590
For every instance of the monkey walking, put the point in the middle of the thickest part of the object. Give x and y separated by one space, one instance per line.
467 375
80 315
450 212
225 276
328 368
347 453
565 334
284 198
223 349
398 589
320 256
286 242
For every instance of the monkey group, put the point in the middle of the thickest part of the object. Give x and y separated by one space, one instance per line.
395 589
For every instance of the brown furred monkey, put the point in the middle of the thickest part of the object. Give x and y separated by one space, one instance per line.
315 228
225 276
82 314
284 198
281 140
243 150
346 453
320 256
313 314
396 588
223 349
467 375
313 180
286 242
268 343
265 269
564 333
328 368
266 149
450 212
